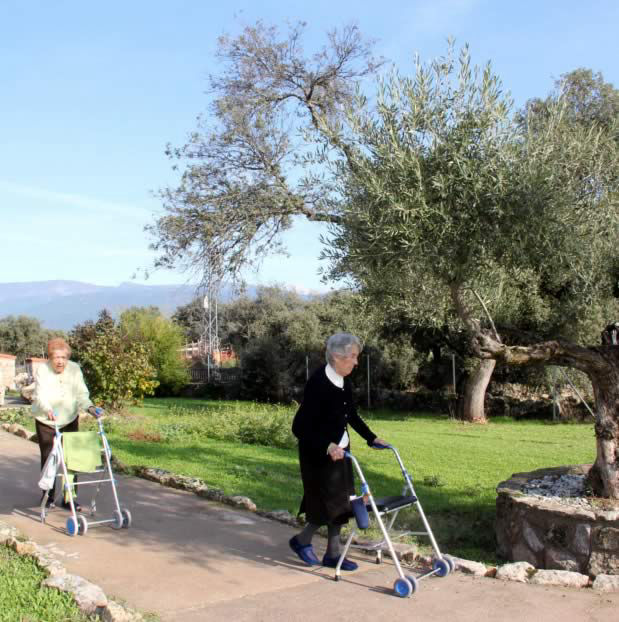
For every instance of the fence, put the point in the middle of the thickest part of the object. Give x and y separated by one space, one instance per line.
221 375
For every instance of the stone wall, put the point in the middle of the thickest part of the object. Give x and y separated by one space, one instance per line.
572 534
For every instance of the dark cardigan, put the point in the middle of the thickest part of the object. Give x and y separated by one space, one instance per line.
324 415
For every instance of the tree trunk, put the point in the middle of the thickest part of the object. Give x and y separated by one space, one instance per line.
601 364
472 404
604 476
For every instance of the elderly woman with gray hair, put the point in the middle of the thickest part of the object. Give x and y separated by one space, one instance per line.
321 426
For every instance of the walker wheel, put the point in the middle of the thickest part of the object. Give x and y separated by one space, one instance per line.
72 526
336 577
441 567
82 525
414 583
403 588
126 514
118 520
451 562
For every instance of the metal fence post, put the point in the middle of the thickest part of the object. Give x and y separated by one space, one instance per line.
453 371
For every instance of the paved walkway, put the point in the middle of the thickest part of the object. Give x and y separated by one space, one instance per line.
188 559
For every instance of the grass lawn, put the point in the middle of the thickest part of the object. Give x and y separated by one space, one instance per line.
455 466
22 599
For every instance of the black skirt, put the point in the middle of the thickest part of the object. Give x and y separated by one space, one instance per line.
327 488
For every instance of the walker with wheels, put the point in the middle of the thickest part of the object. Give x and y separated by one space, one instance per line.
406 584
96 443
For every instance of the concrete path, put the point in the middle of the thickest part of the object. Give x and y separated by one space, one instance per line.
188 559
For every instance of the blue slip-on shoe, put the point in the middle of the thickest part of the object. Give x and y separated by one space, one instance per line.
305 553
331 562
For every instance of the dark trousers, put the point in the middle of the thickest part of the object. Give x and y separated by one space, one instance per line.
45 436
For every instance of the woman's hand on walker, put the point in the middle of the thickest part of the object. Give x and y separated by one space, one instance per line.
335 452
51 415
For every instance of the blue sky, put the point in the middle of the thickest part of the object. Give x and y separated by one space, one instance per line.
93 91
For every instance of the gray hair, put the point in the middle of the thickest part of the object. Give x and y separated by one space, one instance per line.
341 344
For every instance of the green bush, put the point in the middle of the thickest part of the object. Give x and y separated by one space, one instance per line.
116 368
163 340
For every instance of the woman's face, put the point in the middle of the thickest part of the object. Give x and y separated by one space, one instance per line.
58 359
344 365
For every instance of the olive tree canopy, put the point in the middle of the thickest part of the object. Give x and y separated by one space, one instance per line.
240 185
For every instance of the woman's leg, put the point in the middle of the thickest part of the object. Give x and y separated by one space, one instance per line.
333 541
305 537
333 552
301 544
45 438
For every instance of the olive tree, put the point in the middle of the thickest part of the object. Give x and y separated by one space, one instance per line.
447 197
240 186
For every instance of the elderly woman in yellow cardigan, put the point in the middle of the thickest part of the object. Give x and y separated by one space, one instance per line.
60 394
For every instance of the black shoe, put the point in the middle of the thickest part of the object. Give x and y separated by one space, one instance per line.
305 553
331 562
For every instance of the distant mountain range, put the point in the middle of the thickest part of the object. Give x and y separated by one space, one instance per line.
63 304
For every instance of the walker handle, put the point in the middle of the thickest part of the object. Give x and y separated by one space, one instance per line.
380 446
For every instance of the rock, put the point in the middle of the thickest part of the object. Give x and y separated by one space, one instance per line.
118 466
18 430
5 426
467 566
52 567
564 578
561 560
283 516
518 571
531 538
606 538
27 392
425 560
214 494
581 542
522 553
23 547
602 562
606 583
88 596
7 533
242 502
114 612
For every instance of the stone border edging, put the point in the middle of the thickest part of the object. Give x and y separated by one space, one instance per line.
522 572
89 597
